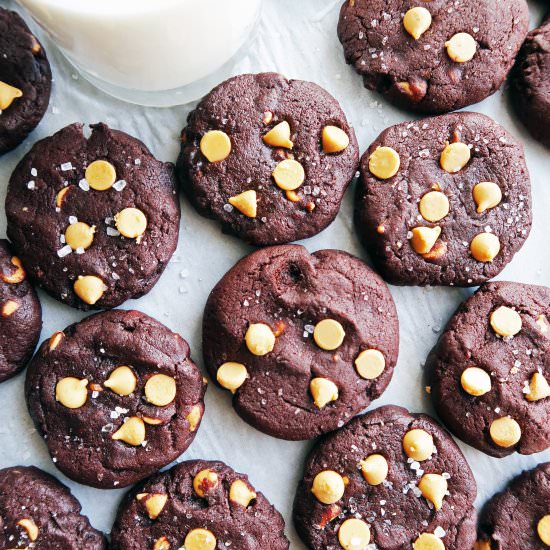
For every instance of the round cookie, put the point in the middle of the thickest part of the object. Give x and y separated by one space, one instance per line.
20 314
198 505
116 397
39 512
269 158
531 83
388 480
444 200
519 517
25 80
95 220
304 341
432 57
489 371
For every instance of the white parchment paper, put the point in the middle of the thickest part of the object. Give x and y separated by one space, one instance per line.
298 39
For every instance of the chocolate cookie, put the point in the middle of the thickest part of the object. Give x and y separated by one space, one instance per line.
304 341
198 505
433 57
490 369
116 397
95 220
39 512
444 200
25 80
269 157
519 517
389 480
20 314
531 83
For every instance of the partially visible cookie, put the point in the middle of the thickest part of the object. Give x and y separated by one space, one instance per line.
433 56
116 397
491 367
303 341
25 80
443 200
39 512
270 158
95 219
388 480
519 517
198 505
20 314
531 83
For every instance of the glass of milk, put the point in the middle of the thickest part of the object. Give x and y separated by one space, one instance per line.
151 52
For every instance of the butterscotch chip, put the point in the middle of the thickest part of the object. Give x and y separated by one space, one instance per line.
354 534
17 276
334 139
259 339
131 432
374 469
154 503
89 288
31 528
538 388
329 334
433 488
543 529
543 324
100 175
232 376
162 544
79 235
428 541
505 432
279 136
475 381
292 196
246 203
505 321
122 381
9 308
423 239
454 157
200 539
482 545
241 493
204 482
370 364
61 195
215 145
160 390
417 21
323 391
55 339
8 94
461 47
485 247
152 421
384 162
434 206
486 195
71 392
418 444
131 222
194 418
328 487
289 174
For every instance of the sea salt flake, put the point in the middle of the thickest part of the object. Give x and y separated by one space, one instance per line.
65 251
84 185
119 185
66 166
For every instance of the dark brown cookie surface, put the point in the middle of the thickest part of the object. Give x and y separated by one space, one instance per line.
389 479
437 57
116 397
519 517
20 314
489 371
95 220
444 200
39 512
531 83
25 80
267 137
198 505
304 341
